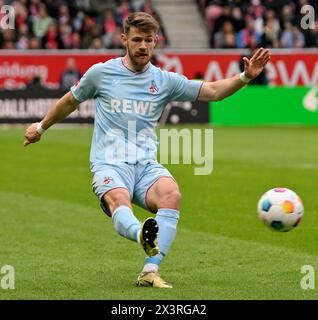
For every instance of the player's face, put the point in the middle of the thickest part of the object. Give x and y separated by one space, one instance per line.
140 46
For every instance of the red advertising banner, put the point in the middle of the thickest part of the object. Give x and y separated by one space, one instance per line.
287 68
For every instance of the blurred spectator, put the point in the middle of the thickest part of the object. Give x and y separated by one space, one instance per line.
227 15
34 43
21 13
8 39
122 11
96 44
162 40
84 5
88 23
225 38
100 5
41 22
78 21
292 37
287 15
270 37
116 42
248 37
23 37
35 83
286 40
137 4
64 15
76 42
65 35
239 21
298 38
257 10
51 40
211 13
9 45
109 27
93 33
70 75
270 19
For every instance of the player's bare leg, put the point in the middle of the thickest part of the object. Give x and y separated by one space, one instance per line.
164 198
164 193
127 225
117 197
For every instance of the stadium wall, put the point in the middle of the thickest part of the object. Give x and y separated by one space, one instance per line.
289 97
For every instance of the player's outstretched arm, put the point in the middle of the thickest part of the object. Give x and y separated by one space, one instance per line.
218 90
64 106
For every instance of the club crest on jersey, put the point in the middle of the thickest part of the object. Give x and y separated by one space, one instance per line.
107 180
153 88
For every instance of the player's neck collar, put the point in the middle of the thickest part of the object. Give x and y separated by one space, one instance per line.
133 71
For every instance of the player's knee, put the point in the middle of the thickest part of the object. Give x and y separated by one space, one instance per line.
176 196
171 199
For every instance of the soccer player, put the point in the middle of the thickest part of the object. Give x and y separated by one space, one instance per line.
130 94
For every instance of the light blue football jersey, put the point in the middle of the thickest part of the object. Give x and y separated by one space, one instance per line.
128 106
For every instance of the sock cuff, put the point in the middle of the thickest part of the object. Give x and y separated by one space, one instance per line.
169 213
121 208
154 260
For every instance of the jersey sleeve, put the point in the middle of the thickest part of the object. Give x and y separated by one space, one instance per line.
87 86
183 89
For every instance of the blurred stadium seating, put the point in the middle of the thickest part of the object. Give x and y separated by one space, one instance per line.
96 24
254 23
79 24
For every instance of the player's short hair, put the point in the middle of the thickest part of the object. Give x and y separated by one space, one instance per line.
142 21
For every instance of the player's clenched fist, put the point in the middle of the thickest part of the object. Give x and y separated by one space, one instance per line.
31 134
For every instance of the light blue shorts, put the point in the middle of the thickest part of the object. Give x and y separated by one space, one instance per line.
136 178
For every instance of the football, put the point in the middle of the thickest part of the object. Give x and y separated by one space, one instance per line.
281 209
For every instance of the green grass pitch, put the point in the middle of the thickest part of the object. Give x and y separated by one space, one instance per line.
63 247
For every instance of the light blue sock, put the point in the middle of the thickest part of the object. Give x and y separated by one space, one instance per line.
167 220
125 223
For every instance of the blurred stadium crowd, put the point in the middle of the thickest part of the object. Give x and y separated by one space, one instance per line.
96 24
255 23
78 24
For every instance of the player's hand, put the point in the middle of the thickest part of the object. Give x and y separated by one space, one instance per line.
254 66
31 135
